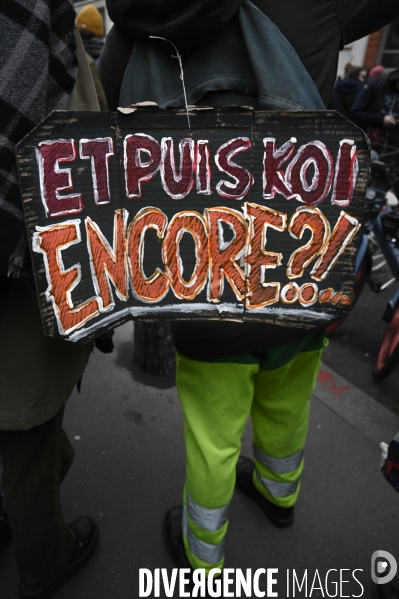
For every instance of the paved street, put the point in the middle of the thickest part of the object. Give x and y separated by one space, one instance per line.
128 431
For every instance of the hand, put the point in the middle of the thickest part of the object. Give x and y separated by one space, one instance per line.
390 121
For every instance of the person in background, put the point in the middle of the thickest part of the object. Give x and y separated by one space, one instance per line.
376 110
37 373
227 371
346 91
91 28
348 69
375 72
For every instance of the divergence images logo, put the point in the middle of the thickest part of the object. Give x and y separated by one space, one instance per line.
383 567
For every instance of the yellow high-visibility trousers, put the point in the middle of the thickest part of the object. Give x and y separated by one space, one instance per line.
217 397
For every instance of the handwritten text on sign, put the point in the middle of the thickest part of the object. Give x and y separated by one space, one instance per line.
254 216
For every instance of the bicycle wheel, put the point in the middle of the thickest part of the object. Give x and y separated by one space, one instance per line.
388 356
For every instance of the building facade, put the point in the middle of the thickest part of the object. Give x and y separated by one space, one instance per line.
381 47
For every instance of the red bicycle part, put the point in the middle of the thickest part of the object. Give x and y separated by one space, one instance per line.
388 356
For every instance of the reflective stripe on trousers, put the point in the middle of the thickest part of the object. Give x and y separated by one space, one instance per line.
211 554
210 519
277 489
278 466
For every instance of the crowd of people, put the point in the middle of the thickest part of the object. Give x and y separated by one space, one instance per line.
371 101
226 372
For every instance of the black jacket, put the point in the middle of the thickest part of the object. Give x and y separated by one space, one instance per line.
377 100
344 95
317 29
374 103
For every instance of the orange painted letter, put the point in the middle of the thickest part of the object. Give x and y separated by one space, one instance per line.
50 241
107 263
153 288
223 255
258 260
193 223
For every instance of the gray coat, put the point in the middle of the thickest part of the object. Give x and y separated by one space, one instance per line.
38 373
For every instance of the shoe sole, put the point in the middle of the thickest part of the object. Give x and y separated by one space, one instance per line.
69 572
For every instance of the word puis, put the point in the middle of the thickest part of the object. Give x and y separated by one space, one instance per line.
309 176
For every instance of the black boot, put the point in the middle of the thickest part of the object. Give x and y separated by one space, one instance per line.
86 532
5 529
172 533
279 516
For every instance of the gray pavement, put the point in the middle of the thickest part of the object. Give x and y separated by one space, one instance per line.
127 428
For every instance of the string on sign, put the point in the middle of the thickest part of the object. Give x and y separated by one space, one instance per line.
178 57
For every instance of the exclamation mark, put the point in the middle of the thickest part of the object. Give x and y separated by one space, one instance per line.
345 173
343 233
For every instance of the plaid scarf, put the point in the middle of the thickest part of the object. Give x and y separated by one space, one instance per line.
38 71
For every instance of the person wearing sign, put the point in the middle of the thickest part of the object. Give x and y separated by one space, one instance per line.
227 371
40 73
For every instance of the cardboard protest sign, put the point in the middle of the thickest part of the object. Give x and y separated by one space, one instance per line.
254 216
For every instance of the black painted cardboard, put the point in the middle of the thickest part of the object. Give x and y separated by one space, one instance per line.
218 125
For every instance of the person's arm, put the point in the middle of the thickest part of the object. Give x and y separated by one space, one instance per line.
183 22
361 17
